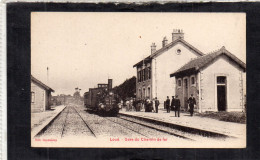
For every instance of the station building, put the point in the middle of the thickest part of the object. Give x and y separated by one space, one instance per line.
153 72
40 96
216 81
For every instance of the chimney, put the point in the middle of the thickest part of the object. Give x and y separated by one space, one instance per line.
177 34
109 87
153 48
164 42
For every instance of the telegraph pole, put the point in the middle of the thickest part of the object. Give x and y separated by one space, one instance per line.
48 76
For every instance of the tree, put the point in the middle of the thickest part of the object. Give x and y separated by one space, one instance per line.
126 89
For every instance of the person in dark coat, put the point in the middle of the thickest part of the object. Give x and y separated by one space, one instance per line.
167 103
177 105
134 104
145 105
150 106
172 103
191 102
157 103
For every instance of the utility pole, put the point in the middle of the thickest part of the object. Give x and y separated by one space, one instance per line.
47 75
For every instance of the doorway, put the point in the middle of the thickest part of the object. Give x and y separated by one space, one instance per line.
221 93
185 92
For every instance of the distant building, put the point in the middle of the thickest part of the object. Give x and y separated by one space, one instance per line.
63 99
153 71
77 99
101 85
40 96
215 80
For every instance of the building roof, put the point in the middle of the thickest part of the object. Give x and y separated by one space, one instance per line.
33 79
196 64
170 45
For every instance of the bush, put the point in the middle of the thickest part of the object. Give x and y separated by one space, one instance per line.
238 117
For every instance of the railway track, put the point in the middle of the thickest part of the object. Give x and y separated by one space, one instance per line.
170 131
127 123
69 122
87 125
75 121
64 124
180 129
126 127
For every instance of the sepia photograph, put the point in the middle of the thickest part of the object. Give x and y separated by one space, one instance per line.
138 80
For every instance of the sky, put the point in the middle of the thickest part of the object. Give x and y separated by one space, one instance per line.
82 49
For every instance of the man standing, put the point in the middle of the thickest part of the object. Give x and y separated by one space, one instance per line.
127 105
177 106
167 103
172 103
191 102
157 103
134 104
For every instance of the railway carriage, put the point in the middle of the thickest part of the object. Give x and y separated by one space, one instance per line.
102 99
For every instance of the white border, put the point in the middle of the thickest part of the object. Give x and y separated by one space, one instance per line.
3 88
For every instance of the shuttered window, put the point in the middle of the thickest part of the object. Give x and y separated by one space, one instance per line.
179 82
32 97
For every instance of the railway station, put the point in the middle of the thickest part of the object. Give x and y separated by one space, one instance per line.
177 69
217 79
179 96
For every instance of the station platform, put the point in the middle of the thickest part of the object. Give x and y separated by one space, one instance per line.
185 120
40 119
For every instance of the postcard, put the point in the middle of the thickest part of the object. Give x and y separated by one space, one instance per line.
138 80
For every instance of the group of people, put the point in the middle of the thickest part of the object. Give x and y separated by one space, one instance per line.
175 105
133 104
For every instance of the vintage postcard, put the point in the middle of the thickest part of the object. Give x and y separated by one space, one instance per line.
138 80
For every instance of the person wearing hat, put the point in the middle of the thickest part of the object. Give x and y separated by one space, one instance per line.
177 105
191 102
157 103
172 103
167 103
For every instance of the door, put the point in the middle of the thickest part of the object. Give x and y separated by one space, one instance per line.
221 98
185 91
221 93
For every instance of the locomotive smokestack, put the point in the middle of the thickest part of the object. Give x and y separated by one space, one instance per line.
109 84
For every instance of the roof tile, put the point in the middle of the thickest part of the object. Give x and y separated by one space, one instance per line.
199 62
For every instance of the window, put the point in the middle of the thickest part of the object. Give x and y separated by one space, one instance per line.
149 72
179 82
139 76
149 92
32 97
144 93
145 74
192 80
142 75
186 83
178 51
221 80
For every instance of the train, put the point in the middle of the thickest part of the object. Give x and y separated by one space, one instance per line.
102 100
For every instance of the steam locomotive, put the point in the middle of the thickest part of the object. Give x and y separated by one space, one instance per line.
102 99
